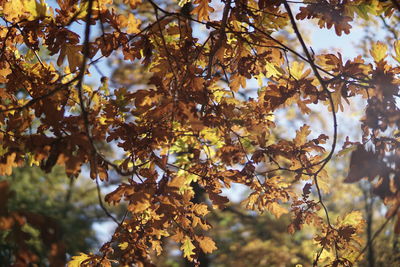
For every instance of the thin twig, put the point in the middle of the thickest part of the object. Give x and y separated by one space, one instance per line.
102 204
221 38
325 89
42 97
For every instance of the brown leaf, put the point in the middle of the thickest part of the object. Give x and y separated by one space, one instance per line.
363 164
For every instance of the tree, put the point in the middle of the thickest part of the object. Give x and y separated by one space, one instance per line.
45 217
188 122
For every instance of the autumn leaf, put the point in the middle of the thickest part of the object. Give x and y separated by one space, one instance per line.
187 248
172 136
301 135
206 244
133 3
353 218
276 209
272 70
37 10
337 100
363 164
237 81
201 209
378 51
72 52
133 24
7 164
296 70
323 181
183 2
13 10
202 10
4 72
397 50
123 245
78 260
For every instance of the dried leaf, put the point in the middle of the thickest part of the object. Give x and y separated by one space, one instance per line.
206 244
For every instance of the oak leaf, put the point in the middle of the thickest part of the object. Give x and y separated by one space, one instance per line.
72 52
276 209
187 248
203 9
133 24
301 135
206 244
378 51
363 164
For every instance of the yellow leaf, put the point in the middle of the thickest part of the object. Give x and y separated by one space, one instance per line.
187 248
327 255
354 218
32 161
82 10
37 10
123 245
178 181
133 24
103 120
323 181
13 10
276 209
181 3
397 50
378 51
206 244
296 70
156 246
272 70
77 260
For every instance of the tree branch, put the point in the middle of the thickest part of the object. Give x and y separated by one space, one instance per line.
325 89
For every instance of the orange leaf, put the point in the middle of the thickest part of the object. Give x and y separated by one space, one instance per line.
203 9
133 24
206 244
